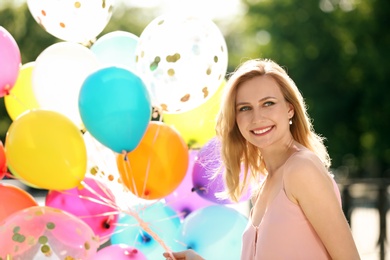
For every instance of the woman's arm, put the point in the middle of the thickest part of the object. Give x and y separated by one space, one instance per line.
309 185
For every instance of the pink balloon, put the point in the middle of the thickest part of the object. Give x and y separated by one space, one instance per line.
44 232
90 206
10 61
119 252
185 199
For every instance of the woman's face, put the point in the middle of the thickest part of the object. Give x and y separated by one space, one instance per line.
262 113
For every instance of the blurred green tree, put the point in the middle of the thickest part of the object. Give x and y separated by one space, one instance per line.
337 52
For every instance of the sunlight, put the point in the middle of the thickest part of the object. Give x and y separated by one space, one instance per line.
212 9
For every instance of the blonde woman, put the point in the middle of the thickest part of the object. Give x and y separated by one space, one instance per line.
263 125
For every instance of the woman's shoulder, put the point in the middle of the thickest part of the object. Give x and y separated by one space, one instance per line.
303 164
305 171
303 158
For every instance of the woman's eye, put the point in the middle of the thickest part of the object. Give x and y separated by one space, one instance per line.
268 103
244 108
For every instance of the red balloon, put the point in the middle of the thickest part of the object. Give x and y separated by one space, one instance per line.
3 161
14 199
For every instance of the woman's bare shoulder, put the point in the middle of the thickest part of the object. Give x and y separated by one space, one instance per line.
304 165
303 160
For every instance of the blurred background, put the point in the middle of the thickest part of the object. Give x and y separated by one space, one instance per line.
338 53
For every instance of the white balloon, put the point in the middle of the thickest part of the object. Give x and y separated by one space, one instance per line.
58 75
75 21
183 59
116 49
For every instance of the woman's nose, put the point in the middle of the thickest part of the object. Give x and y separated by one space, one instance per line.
257 115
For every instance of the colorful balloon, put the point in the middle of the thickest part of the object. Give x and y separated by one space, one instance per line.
116 49
14 199
58 75
207 172
10 61
184 199
46 149
3 161
79 21
189 64
46 233
158 165
161 220
119 252
215 232
115 108
102 167
21 97
197 126
93 203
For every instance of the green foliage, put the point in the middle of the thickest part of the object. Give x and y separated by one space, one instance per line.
337 52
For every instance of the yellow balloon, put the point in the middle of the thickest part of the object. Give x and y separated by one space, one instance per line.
46 149
197 126
21 97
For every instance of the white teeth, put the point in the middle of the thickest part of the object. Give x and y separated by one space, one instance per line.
262 131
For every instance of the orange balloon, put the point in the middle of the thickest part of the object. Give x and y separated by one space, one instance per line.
14 199
157 166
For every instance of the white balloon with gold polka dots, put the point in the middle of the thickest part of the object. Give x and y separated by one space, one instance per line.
78 21
183 59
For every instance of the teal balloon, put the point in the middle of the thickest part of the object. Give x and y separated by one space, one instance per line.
162 220
115 108
214 232
117 48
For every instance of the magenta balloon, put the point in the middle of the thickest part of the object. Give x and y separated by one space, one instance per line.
184 199
119 252
207 164
89 206
10 61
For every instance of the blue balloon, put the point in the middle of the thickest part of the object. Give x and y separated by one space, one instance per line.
115 108
117 48
214 232
162 219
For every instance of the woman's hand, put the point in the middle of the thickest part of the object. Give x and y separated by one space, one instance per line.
183 255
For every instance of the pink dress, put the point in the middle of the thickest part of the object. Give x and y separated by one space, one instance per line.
284 234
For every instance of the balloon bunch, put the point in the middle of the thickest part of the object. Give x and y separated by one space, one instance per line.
119 183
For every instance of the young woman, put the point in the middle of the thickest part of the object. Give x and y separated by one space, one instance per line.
263 125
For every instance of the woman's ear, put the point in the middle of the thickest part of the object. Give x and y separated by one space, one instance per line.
290 110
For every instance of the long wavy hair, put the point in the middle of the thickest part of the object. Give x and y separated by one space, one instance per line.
238 154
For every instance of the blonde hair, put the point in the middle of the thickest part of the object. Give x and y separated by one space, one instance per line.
236 152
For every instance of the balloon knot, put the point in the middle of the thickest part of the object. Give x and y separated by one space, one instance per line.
198 189
124 153
7 90
106 224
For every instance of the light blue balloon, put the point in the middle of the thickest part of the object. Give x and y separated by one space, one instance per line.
162 219
115 108
214 232
117 48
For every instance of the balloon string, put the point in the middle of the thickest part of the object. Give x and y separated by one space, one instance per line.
18 100
150 161
146 227
104 201
126 161
139 220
